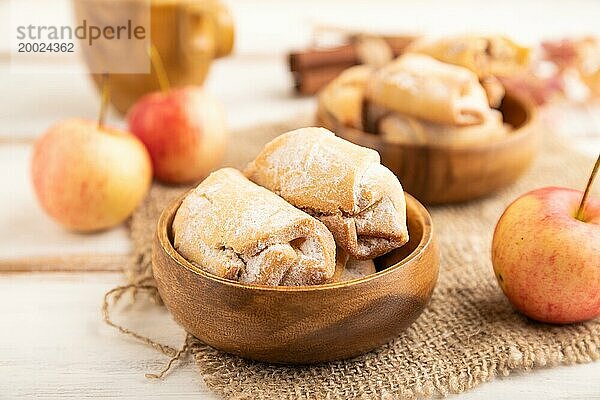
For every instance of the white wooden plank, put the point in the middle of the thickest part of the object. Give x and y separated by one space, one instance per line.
26 231
53 344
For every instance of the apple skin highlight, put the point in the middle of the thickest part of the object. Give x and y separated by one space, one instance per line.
89 178
546 261
183 130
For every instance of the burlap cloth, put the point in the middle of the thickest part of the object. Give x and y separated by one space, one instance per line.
468 334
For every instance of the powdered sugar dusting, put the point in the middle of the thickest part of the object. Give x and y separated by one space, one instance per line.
236 229
313 169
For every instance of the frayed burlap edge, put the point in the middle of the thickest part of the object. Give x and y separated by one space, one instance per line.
468 334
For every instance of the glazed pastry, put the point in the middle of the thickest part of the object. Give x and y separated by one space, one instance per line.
348 268
341 259
342 98
484 55
373 50
342 184
494 89
356 269
400 128
425 88
234 229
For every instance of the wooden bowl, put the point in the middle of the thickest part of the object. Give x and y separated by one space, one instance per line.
300 325
448 173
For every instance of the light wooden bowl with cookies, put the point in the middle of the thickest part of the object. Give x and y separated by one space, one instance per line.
300 324
437 173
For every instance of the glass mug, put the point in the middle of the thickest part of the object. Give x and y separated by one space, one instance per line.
187 34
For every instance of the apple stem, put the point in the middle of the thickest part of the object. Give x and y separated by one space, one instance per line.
105 97
159 67
588 188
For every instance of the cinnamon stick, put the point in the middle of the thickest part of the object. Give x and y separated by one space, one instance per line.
317 58
310 81
315 67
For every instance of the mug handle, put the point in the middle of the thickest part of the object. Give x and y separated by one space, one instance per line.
225 36
206 28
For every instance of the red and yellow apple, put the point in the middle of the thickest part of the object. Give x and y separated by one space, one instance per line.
89 178
183 130
546 260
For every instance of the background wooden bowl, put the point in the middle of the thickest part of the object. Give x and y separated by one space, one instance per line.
442 173
300 325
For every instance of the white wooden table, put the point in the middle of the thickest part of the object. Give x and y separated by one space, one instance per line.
52 340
